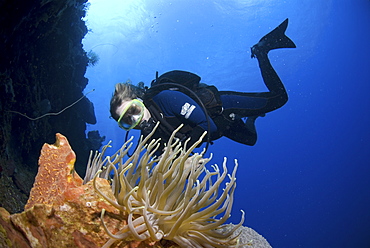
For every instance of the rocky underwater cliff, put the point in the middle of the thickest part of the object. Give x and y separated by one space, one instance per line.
42 70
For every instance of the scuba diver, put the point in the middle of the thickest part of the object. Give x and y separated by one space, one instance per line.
178 97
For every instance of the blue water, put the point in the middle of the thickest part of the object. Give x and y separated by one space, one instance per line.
306 183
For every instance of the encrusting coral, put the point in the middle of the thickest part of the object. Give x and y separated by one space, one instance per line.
61 211
56 174
173 197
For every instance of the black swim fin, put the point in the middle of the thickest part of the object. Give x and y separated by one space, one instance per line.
274 40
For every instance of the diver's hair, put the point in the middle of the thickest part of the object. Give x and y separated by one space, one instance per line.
124 92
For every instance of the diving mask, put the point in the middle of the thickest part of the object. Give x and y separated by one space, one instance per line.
131 115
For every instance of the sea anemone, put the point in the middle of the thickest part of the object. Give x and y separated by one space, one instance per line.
173 197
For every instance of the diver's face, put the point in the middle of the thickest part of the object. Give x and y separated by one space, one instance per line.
130 114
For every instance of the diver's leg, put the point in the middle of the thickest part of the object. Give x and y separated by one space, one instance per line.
278 94
250 123
244 133
273 40
248 104
252 104
236 129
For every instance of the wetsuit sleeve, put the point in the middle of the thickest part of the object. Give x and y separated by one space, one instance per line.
177 104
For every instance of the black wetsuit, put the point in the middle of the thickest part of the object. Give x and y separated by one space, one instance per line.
174 108
238 104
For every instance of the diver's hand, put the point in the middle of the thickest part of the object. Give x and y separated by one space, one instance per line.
146 127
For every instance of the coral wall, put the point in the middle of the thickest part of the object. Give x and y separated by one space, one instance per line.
42 69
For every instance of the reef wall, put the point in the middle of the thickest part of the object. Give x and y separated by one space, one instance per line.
42 69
